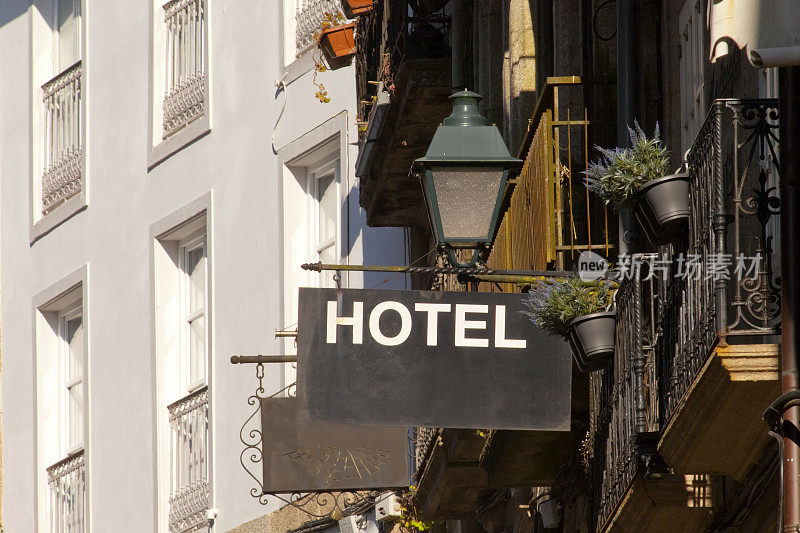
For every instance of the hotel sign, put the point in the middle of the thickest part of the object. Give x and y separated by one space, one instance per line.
300 455
421 358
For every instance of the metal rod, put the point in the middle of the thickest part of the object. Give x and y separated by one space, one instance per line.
472 271
280 333
789 128
243 359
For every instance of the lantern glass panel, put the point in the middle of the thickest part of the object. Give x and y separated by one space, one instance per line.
466 198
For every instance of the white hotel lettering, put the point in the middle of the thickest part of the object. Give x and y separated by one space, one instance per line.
431 311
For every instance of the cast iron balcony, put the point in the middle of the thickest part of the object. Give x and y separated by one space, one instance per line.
696 354
63 144
184 100
189 498
67 480
311 14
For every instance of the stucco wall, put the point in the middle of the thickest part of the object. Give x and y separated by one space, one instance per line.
233 165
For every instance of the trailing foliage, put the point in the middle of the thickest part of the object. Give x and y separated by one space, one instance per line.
410 519
617 173
553 303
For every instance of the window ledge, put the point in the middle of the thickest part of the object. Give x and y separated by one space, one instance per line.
59 215
302 64
178 141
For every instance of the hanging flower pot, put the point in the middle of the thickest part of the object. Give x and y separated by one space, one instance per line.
354 8
662 207
591 338
338 41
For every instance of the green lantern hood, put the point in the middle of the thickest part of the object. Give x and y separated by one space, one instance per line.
467 137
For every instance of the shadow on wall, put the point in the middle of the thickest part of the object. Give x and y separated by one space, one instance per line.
13 9
379 246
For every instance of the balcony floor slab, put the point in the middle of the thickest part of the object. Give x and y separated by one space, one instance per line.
717 428
670 504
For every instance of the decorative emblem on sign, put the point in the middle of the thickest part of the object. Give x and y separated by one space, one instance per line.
337 465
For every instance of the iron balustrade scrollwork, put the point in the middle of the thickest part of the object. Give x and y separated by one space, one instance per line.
734 213
318 504
67 480
424 440
309 20
185 97
64 138
624 400
189 494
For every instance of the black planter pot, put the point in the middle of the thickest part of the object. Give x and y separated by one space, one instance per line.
662 208
591 338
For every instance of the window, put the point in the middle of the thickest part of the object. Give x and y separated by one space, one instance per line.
67 33
71 341
693 52
61 411
193 299
182 332
179 82
324 187
62 97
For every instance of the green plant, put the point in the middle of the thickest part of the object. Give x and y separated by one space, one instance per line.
410 519
322 93
329 20
617 173
553 303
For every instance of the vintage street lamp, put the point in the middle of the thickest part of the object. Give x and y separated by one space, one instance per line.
465 174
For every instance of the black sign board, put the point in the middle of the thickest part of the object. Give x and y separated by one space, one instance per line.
304 456
420 358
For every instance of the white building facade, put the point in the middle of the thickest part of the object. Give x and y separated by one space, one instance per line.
165 169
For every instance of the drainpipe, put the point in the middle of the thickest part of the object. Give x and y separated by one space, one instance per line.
459 44
626 101
789 116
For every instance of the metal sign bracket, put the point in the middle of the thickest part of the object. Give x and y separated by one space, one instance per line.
317 504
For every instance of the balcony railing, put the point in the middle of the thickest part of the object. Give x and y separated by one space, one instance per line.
67 480
668 325
734 212
189 492
63 142
624 399
185 96
424 439
552 217
394 33
310 16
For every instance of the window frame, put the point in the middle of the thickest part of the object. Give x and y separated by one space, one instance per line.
188 385
58 64
67 382
692 70
317 245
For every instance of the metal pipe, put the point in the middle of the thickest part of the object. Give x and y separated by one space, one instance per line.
626 102
789 127
243 359
404 269
459 44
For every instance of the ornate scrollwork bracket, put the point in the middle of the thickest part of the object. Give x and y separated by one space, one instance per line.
316 504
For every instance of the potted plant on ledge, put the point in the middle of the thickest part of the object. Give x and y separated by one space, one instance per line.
636 177
578 311
337 39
